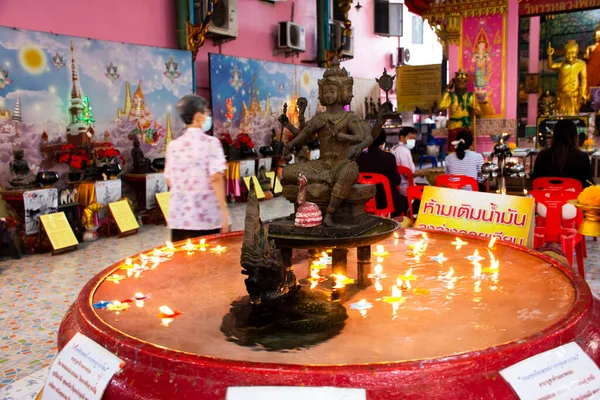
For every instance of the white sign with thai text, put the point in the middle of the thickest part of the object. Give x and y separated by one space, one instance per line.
565 372
81 370
294 393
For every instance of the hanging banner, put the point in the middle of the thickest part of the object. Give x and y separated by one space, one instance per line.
418 86
535 7
464 212
483 56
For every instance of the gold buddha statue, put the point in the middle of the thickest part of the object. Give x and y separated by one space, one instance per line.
571 89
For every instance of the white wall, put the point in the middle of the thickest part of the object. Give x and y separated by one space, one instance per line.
430 52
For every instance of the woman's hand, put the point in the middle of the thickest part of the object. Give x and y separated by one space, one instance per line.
224 221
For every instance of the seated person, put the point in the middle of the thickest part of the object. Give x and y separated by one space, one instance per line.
464 161
377 161
564 159
402 152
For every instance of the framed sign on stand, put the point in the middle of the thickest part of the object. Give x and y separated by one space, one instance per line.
121 213
57 228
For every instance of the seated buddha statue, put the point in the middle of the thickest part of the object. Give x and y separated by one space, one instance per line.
141 164
21 175
343 135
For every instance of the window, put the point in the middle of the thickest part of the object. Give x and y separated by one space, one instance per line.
417 30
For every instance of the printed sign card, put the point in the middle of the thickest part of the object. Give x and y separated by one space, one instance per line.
59 231
259 192
294 393
163 202
121 212
565 372
82 370
275 184
462 212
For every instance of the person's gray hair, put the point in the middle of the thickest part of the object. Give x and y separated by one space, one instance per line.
189 105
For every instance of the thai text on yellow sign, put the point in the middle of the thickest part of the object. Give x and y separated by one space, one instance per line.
163 202
418 86
59 230
121 212
508 218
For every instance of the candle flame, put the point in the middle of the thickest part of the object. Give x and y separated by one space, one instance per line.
324 254
459 243
378 286
525 192
492 242
378 269
166 321
396 292
396 235
314 274
129 273
380 248
425 237
139 295
165 310
170 246
128 261
409 272
503 191
495 265
202 242
339 281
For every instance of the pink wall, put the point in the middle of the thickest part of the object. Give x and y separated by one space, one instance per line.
512 59
152 22
148 22
534 68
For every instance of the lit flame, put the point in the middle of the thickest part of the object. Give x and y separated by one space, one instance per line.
503 191
378 286
166 321
314 274
396 235
378 269
170 246
477 270
129 273
425 237
203 242
189 246
165 310
459 243
398 282
492 242
341 281
380 252
495 265
396 292
218 249
492 258
128 261
139 296
525 192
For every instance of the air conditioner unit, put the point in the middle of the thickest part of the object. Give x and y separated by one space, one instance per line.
388 18
224 20
291 36
336 38
403 56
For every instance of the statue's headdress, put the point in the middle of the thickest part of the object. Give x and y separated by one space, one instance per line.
571 45
335 75
461 73
139 92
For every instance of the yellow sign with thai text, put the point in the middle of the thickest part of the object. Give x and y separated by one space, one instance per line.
418 86
59 230
121 212
509 218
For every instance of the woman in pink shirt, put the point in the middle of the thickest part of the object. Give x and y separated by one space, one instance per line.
195 172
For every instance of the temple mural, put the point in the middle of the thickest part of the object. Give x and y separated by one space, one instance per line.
57 91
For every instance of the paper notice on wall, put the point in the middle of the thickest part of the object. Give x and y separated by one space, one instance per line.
565 372
294 393
82 370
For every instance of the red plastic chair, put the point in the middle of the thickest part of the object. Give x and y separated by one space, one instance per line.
406 172
456 182
413 193
367 178
557 184
554 230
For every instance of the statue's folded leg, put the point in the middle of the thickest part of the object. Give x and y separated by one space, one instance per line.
346 177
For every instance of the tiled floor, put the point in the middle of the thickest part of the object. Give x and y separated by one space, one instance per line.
36 292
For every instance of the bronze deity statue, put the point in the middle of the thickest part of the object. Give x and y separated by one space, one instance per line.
571 89
343 135
141 164
22 177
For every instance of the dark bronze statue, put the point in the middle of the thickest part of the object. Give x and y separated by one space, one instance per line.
22 177
343 135
141 164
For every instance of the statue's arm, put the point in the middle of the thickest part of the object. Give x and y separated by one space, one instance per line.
475 108
361 131
290 127
583 87
309 130
446 101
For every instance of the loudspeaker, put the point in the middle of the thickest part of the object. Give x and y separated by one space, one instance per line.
388 18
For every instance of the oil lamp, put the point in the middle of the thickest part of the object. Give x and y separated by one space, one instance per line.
202 245
377 273
167 315
218 249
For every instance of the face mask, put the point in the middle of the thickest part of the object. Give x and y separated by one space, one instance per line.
207 124
410 143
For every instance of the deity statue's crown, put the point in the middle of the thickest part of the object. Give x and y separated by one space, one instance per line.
335 75
571 44
139 92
